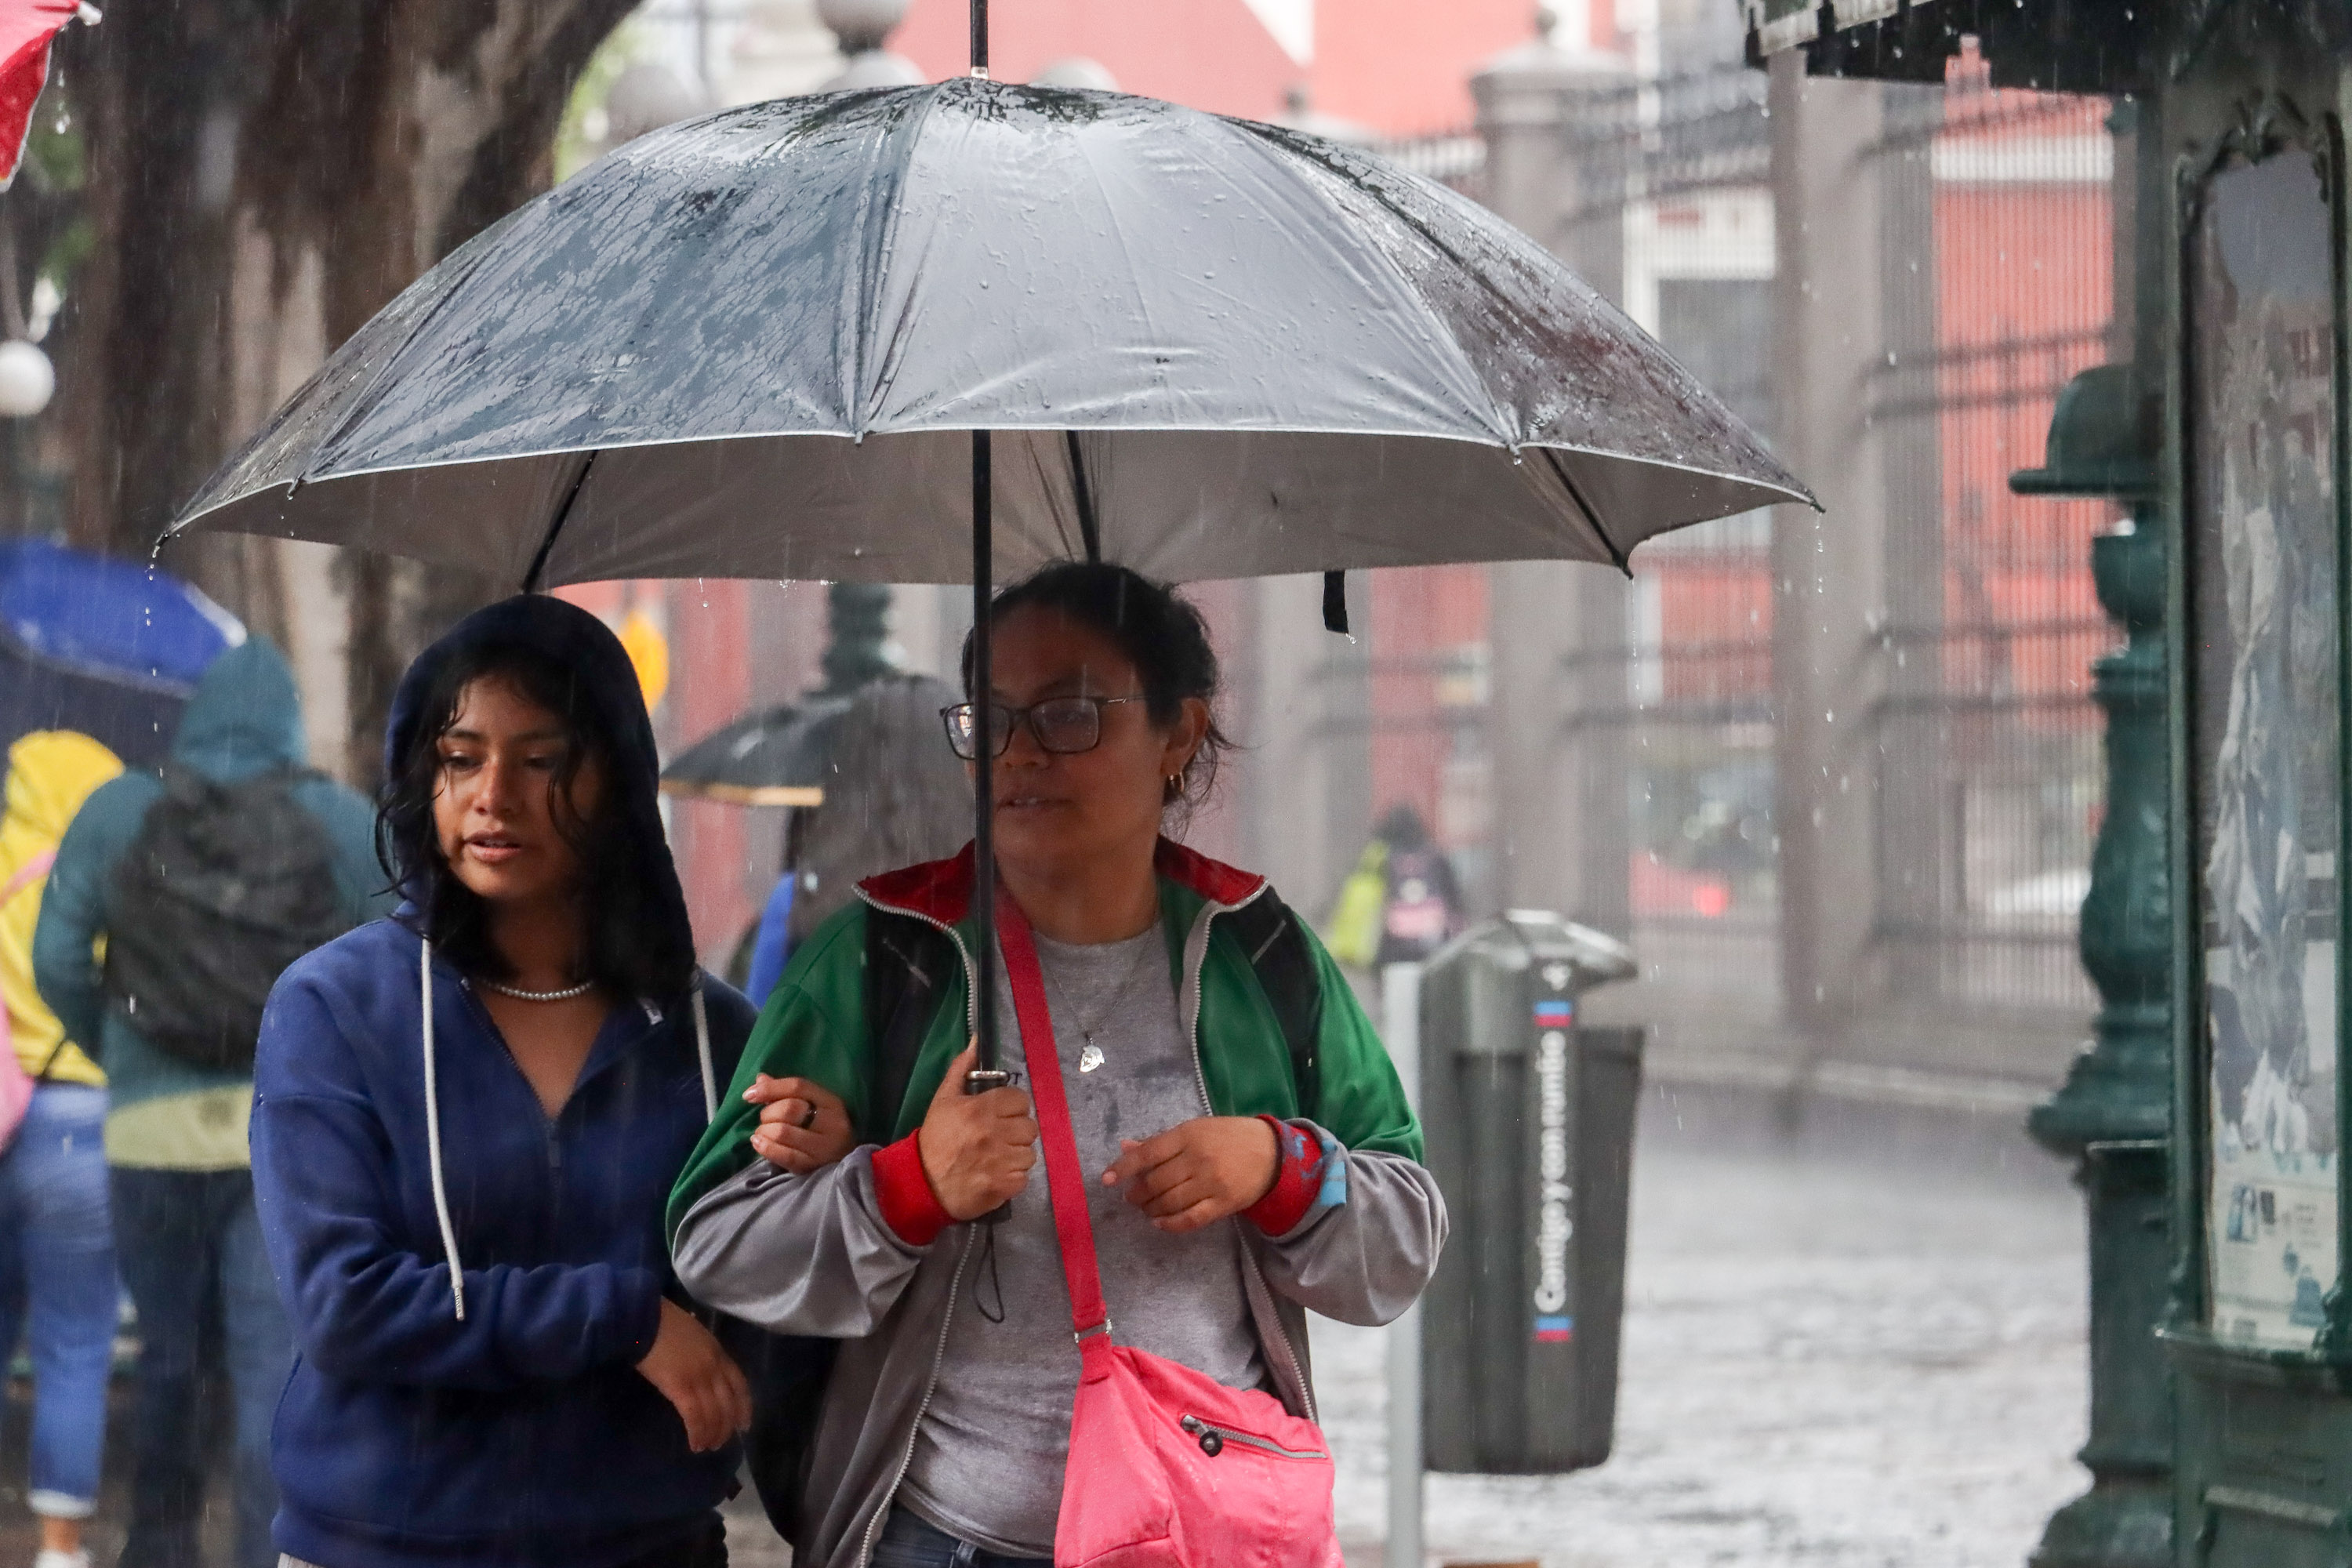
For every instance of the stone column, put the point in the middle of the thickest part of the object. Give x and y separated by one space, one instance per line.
1830 567
1303 784
1557 123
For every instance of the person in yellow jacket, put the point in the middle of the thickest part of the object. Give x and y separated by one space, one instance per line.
56 1243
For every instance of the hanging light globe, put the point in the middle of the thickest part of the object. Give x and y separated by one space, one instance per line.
26 380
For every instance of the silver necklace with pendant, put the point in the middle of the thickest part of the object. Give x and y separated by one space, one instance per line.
1090 1055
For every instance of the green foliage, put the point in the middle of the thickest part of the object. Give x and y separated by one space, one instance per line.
575 148
67 249
49 214
55 157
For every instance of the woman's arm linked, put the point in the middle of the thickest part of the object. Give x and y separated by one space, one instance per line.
759 1228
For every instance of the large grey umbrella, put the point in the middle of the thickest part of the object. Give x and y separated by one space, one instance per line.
824 337
1209 348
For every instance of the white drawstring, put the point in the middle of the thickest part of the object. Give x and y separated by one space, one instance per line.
433 1117
432 1145
702 1046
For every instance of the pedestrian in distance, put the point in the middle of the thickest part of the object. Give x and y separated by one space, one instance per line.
57 1286
1402 902
203 883
466 1119
1247 1154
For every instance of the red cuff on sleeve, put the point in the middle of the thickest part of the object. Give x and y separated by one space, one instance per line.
1295 1183
910 1207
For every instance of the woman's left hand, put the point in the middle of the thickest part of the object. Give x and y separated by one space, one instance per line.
1198 1171
803 1126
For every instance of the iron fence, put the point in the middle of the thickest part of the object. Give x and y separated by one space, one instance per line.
1984 746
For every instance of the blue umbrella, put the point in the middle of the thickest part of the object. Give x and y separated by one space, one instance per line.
102 647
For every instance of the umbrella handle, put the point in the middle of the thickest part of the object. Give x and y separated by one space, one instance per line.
980 1080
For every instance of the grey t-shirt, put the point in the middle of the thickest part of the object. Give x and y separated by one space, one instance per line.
989 1453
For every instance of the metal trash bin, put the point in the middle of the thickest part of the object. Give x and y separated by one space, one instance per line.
1529 1121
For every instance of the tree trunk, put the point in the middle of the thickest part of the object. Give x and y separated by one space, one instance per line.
263 176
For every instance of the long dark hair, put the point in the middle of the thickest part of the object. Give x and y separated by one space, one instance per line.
633 947
1157 629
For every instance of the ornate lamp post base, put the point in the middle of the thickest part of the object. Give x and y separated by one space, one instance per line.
2115 1113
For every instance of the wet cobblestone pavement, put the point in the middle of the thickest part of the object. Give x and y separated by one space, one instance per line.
1855 1345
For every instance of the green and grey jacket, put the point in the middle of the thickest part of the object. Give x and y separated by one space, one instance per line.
814 1255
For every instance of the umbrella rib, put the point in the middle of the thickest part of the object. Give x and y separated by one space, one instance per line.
547 545
1591 518
877 365
1090 529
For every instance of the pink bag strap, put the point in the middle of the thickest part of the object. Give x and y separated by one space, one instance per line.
30 873
1064 1178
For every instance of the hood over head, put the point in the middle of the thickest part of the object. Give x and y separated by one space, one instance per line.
51 773
608 683
246 716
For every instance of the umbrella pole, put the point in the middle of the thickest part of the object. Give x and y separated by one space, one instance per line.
984 791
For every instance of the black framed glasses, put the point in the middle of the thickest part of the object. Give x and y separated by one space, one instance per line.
1062 725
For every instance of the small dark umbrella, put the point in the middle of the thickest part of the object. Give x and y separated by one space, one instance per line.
773 757
811 338
894 795
777 756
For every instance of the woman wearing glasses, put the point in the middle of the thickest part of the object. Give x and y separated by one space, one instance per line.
1254 1153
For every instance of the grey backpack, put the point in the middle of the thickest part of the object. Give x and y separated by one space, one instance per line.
225 886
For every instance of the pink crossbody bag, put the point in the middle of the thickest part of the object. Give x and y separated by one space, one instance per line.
1168 1468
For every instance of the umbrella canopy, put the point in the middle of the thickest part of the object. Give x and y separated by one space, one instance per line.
27 28
102 647
1209 348
110 618
776 756
820 338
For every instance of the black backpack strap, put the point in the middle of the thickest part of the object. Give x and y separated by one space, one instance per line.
908 963
1276 945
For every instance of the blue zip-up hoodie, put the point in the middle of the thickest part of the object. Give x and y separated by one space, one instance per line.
522 1433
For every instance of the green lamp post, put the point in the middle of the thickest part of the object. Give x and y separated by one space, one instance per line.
2115 1113
857 637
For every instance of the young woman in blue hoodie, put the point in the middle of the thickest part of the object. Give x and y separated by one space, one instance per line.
466 1118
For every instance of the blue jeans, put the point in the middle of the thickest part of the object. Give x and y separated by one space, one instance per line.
58 1288
191 1252
911 1542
